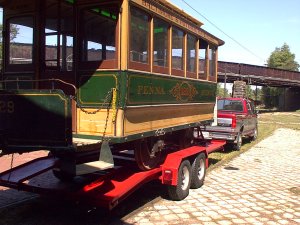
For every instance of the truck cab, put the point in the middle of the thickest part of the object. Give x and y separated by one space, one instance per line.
236 119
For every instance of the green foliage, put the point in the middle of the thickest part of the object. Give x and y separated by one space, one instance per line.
258 93
249 92
221 92
14 31
271 96
282 58
1 28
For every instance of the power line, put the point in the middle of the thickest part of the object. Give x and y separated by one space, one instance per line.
242 46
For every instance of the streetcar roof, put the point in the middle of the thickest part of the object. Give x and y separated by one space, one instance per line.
181 12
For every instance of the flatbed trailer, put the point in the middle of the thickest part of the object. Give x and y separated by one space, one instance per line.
180 171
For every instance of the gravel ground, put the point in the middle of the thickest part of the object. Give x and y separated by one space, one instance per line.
261 186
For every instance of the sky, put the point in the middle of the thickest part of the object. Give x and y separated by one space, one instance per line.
258 25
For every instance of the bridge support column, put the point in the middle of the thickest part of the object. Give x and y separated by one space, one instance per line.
290 100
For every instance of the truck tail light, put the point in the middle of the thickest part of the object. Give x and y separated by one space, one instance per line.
233 124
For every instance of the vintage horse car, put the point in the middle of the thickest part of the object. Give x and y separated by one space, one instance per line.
87 77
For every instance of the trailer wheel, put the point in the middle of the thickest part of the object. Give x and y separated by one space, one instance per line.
198 171
185 138
62 176
181 190
237 146
142 153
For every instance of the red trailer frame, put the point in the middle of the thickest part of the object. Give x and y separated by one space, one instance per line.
106 188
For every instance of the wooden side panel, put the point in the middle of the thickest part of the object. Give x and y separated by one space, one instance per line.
149 118
95 124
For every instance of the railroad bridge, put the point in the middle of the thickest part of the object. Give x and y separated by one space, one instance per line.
228 72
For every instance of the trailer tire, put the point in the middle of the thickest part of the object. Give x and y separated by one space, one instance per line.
142 154
62 176
181 190
185 138
198 171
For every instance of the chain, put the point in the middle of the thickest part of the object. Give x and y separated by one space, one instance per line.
105 126
11 165
114 106
106 101
110 100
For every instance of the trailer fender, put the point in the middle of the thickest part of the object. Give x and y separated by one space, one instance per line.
173 161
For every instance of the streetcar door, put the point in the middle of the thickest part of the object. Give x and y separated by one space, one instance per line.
58 41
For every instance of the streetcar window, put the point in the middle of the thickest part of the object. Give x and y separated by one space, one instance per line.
230 105
161 40
191 53
59 36
99 27
177 48
139 36
202 71
212 60
20 40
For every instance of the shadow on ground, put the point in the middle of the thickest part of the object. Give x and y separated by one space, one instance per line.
46 211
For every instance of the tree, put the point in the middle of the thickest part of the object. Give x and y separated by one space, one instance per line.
282 58
271 96
1 28
249 92
14 31
221 92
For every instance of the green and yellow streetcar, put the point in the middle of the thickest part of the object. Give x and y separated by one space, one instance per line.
97 77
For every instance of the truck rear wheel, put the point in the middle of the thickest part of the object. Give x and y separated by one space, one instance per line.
198 171
237 146
255 134
181 190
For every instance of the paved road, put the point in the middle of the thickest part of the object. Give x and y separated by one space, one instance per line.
261 186
10 196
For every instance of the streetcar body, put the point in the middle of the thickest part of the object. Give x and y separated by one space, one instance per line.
77 73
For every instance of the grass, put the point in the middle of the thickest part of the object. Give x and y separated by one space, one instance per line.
267 124
284 119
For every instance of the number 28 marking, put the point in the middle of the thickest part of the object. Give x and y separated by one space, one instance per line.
7 107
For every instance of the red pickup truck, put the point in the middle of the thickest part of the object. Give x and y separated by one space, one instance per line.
236 119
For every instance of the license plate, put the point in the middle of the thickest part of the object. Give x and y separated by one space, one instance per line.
205 134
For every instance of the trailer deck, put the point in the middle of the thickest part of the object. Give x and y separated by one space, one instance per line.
103 188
